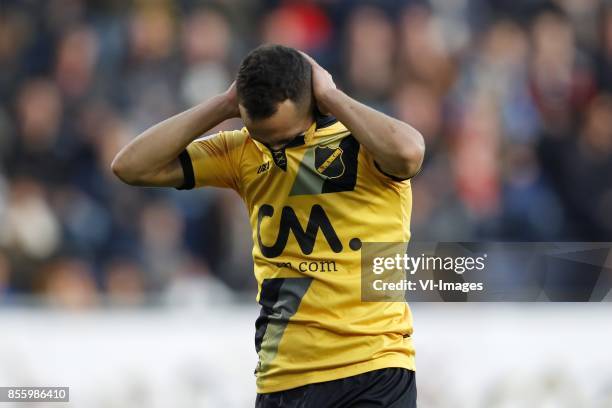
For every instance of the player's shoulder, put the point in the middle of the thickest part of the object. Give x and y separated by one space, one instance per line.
227 138
236 137
330 126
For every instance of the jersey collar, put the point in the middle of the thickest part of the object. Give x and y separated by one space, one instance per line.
321 122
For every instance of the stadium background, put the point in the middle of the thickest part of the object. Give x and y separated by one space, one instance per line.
514 99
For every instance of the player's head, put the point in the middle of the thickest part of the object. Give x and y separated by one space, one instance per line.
275 93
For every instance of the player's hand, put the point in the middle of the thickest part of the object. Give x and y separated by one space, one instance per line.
230 102
322 84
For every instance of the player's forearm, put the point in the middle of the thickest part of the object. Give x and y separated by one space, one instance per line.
151 152
397 147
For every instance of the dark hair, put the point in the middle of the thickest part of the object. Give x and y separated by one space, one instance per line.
270 74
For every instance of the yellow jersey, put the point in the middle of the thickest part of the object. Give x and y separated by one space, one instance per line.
311 206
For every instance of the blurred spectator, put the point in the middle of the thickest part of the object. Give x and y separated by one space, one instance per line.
475 157
423 52
39 117
420 105
194 286
75 62
302 25
371 44
206 71
561 81
69 283
124 283
604 60
589 157
5 273
161 231
30 228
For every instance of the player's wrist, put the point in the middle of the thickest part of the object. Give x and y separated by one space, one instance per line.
329 98
228 105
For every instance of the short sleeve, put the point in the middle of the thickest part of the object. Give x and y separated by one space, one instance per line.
213 161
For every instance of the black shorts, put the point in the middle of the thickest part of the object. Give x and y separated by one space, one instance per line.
387 387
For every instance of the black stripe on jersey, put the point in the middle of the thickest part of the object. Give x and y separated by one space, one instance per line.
297 141
280 299
188 176
280 156
392 177
350 157
270 288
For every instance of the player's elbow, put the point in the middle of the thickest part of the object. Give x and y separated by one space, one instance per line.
122 169
411 155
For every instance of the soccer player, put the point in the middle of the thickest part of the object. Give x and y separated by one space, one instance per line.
319 173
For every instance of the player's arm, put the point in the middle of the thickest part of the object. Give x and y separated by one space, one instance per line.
398 149
151 159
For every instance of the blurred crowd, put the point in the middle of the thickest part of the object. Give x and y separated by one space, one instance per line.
514 99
